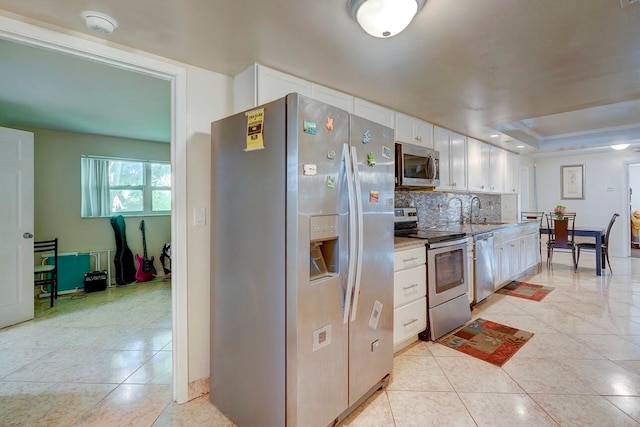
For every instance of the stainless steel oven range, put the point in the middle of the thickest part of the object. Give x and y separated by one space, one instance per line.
447 287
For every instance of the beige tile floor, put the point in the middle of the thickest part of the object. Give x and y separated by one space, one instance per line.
111 364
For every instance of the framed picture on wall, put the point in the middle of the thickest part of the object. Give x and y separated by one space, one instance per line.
572 182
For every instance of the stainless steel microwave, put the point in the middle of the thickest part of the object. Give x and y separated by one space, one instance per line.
417 166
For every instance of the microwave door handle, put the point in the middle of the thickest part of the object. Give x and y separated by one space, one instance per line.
431 167
360 234
352 233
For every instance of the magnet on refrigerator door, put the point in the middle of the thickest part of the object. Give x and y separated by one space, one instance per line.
329 124
371 159
309 127
366 137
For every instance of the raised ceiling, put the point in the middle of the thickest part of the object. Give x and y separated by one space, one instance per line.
539 71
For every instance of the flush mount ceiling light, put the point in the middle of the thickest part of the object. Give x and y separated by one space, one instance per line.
619 147
384 18
99 22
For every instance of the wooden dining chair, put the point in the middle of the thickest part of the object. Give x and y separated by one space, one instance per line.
604 245
47 274
561 237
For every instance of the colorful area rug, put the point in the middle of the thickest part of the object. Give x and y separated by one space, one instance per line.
525 290
488 341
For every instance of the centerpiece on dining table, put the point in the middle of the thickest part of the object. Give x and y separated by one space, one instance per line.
559 211
560 225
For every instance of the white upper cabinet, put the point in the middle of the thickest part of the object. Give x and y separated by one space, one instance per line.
512 173
441 145
258 84
478 167
413 131
492 169
458 160
475 180
452 149
496 169
273 84
375 113
332 97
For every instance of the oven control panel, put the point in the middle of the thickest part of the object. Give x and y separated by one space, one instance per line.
405 215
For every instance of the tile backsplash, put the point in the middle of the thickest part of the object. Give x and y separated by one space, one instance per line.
436 209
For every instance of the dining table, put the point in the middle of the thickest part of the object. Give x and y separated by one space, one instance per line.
596 233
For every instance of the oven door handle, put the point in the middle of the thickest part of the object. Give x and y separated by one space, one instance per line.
448 243
352 233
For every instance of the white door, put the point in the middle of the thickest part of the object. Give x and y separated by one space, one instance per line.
16 226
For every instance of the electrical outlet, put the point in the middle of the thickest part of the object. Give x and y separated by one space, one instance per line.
625 3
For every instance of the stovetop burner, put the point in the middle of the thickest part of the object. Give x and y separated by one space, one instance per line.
406 222
431 236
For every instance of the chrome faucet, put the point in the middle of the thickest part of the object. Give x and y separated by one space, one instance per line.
461 207
471 208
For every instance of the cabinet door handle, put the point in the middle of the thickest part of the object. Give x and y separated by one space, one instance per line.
409 259
406 288
409 322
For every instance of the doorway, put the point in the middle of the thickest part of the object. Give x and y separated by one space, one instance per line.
34 36
634 208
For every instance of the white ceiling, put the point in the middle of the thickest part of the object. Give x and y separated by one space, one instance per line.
550 74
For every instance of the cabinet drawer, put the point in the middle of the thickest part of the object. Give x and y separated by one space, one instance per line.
409 258
409 285
409 320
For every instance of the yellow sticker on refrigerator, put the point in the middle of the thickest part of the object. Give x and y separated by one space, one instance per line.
255 127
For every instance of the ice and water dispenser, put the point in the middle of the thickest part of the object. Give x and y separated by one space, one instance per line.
324 254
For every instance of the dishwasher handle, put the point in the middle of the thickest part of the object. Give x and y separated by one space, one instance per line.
483 236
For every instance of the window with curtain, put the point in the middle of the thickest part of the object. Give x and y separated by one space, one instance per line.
126 187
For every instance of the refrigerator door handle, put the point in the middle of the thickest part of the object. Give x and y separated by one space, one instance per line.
352 233
360 234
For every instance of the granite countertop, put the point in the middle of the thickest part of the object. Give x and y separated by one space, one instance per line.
468 229
407 243
473 229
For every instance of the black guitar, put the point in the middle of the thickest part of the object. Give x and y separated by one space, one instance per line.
146 270
123 259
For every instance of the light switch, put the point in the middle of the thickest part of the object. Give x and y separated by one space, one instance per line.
199 217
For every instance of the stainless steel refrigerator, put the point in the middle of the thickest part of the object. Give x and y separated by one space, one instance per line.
302 263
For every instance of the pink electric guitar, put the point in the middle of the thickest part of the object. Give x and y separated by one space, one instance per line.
146 271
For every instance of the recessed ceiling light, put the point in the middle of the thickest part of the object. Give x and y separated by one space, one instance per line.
519 146
494 135
99 22
619 147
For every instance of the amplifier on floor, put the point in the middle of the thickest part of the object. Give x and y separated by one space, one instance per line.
95 281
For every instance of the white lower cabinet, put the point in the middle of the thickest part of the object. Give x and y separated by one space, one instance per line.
409 296
516 249
408 321
408 285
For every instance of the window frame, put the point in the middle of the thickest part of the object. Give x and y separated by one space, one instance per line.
146 187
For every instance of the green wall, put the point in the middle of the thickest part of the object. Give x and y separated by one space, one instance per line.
57 193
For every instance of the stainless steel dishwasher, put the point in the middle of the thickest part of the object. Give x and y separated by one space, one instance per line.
483 258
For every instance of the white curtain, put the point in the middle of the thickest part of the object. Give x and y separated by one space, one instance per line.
95 187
